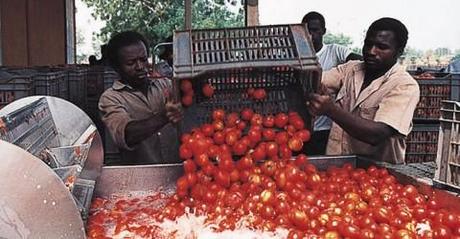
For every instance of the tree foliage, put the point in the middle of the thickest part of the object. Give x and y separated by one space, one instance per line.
339 39
157 19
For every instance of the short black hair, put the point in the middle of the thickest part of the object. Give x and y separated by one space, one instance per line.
390 24
314 16
167 49
121 40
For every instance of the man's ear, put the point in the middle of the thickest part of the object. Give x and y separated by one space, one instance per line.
324 31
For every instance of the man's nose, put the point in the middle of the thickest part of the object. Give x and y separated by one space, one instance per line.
138 65
372 50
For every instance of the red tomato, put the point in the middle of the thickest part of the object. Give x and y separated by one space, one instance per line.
189 166
218 125
191 179
202 160
245 162
259 94
303 134
218 114
256 120
281 120
184 152
231 138
295 144
269 134
240 148
187 100
300 160
282 137
208 90
271 149
247 113
226 164
219 138
284 151
255 136
269 121
182 183
268 167
186 86
232 120
222 178
207 129
297 122
199 146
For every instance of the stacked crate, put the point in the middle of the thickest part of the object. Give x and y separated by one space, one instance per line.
447 173
280 59
434 88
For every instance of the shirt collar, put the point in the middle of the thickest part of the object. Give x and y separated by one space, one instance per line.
394 69
118 85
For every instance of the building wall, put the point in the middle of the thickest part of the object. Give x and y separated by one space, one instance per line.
33 32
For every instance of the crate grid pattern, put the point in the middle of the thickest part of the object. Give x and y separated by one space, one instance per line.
277 58
433 92
448 159
265 43
15 88
422 143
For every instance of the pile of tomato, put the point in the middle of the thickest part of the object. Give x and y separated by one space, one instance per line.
240 169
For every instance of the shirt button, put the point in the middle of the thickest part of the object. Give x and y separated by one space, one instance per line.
159 133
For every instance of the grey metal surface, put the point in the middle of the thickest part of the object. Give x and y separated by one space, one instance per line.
128 179
34 203
70 120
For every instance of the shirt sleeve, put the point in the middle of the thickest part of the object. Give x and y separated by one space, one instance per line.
115 118
333 78
397 108
342 53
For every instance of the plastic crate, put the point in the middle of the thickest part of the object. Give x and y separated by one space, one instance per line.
15 87
448 157
51 83
100 78
198 51
278 59
77 85
433 90
422 143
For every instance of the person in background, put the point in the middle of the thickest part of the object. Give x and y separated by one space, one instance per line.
329 55
103 61
453 67
92 60
164 67
376 98
137 111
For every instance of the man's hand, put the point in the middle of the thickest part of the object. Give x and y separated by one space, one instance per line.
320 104
174 111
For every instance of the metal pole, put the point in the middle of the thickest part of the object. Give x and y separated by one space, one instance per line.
188 14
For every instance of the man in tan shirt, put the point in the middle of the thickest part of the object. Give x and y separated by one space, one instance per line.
136 110
376 98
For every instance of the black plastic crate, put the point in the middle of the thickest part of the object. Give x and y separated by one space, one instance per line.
77 85
433 90
286 90
422 143
51 83
14 88
278 58
99 78
198 51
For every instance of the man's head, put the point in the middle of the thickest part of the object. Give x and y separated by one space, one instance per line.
317 28
128 55
385 41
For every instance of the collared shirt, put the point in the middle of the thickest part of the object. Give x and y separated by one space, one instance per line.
390 99
122 104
